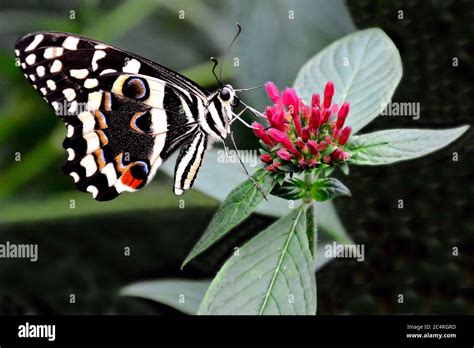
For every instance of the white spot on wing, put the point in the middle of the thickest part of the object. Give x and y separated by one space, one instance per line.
92 140
56 67
53 52
107 71
70 43
30 59
32 77
36 41
97 56
91 83
43 90
89 165
79 73
74 176
93 190
70 155
70 131
109 172
87 120
132 66
40 70
69 94
93 100
17 52
51 85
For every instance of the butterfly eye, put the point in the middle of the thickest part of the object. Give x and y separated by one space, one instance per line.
225 94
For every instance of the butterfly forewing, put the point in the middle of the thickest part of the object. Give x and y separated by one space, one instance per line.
124 114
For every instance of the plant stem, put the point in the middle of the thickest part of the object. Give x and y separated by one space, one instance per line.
308 178
310 228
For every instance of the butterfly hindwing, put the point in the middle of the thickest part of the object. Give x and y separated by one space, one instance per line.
124 114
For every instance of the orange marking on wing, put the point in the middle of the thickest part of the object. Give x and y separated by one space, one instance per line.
101 120
100 159
133 121
120 167
102 137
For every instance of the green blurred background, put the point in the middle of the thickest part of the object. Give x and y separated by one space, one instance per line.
81 250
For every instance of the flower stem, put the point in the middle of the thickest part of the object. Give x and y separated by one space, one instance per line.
310 228
308 178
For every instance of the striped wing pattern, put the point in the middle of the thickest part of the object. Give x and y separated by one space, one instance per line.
124 114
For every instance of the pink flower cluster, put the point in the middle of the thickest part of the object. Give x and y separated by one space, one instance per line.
299 136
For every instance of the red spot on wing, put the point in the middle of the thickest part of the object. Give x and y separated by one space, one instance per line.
129 180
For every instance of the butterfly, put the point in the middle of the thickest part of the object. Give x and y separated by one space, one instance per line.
124 114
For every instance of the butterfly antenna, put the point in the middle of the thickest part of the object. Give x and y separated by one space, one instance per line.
239 30
257 185
248 89
214 70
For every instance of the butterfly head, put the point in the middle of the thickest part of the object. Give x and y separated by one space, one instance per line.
228 97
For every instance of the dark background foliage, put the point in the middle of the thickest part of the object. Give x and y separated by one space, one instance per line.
408 251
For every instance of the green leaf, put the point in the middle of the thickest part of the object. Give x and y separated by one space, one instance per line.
289 189
328 188
181 294
365 68
238 205
344 168
273 273
59 205
213 170
394 145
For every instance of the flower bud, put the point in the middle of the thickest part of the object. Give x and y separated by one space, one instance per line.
300 143
345 134
336 154
313 147
290 99
306 134
341 116
315 119
325 116
283 139
259 131
284 154
272 92
315 100
328 94
306 112
266 158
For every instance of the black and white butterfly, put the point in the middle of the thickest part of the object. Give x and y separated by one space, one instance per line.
124 114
